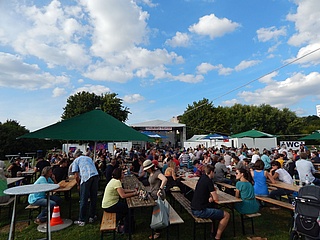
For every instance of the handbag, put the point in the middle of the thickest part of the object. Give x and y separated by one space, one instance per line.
160 215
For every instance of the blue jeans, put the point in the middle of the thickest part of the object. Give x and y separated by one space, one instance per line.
54 201
212 213
88 189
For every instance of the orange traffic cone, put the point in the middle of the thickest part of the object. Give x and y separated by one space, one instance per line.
56 219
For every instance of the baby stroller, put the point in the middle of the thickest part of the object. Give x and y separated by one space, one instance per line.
307 214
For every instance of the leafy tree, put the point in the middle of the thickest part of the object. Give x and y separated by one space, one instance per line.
199 117
83 102
9 131
9 144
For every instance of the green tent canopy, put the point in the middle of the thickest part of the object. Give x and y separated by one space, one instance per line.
95 125
252 134
312 136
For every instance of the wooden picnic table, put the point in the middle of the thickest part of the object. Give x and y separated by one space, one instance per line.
223 199
282 185
130 182
66 186
11 181
30 172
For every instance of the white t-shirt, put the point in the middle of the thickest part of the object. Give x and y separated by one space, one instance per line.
284 176
254 158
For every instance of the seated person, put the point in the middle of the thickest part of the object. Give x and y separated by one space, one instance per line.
306 168
3 186
237 163
60 172
111 199
244 190
141 174
109 169
171 175
15 167
198 168
278 173
221 171
260 177
40 199
205 194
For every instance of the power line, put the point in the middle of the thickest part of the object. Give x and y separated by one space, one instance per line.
254 80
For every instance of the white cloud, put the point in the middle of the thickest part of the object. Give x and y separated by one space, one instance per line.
312 59
17 74
225 71
246 64
117 26
179 40
133 98
148 3
213 26
57 92
189 78
271 33
50 33
284 93
306 21
204 68
96 89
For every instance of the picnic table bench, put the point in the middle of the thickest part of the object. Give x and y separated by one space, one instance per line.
186 204
108 223
276 202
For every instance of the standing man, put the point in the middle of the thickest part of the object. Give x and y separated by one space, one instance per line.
87 178
205 194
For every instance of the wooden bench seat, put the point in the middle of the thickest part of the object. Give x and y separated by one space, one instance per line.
250 217
186 204
174 219
276 202
8 204
32 208
108 223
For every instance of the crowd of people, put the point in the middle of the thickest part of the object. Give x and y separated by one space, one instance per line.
161 169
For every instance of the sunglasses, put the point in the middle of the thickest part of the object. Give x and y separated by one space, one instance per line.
237 173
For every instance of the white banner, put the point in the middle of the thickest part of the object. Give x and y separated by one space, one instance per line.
294 145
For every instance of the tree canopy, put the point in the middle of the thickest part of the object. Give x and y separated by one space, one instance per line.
203 117
84 102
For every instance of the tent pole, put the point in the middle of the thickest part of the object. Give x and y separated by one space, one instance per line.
95 150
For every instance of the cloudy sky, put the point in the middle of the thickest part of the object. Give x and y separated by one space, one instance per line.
158 56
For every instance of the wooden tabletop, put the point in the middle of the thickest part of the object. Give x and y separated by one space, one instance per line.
66 185
130 182
279 184
13 180
223 197
30 171
190 178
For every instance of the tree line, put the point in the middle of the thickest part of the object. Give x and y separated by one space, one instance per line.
203 117
200 117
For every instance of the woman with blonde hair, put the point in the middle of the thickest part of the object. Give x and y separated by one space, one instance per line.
171 176
40 199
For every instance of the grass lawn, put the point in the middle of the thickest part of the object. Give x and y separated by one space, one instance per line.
273 225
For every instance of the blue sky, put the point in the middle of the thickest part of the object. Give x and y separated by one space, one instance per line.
158 56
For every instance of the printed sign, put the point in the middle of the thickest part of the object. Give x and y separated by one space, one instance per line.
294 145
